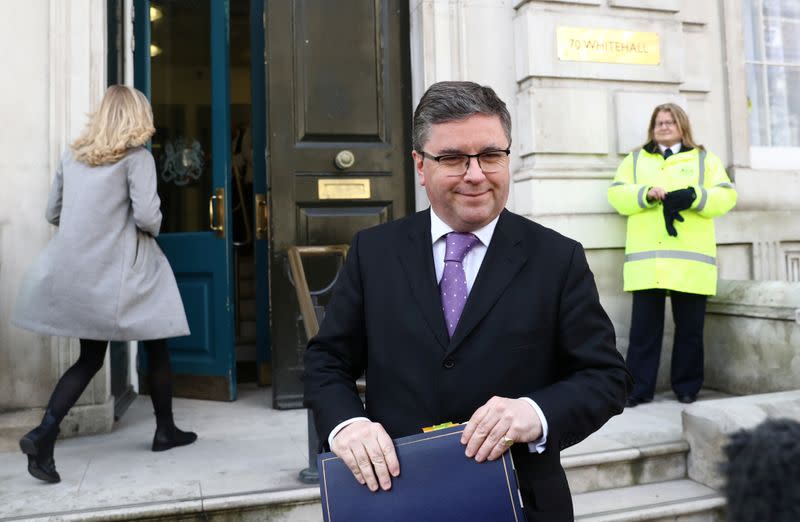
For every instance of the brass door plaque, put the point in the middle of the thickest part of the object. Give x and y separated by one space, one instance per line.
343 188
588 44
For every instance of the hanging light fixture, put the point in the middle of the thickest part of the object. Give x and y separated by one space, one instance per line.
155 13
154 50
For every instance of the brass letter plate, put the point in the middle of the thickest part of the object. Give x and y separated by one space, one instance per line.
586 44
343 188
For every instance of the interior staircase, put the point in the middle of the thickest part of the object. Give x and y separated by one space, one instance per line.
246 319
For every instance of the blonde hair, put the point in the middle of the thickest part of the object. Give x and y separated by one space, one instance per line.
681 120
123 121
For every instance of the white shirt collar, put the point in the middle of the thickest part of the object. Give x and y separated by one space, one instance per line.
675 148
439 228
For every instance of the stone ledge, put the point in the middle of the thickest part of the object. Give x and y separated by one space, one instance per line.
708 425
261 498
659 501
780 298
777 313
276 502
752 337
710 506
605 457
86 419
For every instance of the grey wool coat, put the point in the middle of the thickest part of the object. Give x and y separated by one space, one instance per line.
103 276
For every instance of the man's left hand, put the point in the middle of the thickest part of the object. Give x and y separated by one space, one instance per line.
496 425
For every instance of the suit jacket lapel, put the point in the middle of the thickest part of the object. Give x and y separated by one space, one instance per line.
416 257
502 262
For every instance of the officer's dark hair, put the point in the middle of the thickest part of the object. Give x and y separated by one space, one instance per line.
763 473
452 101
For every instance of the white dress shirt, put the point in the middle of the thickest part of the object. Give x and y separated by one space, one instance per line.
472 264
675 148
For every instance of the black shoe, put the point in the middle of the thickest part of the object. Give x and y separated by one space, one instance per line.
172 437
38 444
687 399
43 470
635 401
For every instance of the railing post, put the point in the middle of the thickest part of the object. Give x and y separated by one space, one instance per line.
310 475
312 315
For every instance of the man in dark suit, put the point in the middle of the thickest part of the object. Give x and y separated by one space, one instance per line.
466 311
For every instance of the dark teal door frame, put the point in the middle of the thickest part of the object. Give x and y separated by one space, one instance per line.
204 362
258 128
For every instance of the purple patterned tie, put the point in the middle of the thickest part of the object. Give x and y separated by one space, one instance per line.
454 282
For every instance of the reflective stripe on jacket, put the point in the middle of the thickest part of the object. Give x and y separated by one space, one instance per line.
653 258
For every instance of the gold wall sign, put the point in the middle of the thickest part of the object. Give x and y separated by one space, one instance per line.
343 188
587 44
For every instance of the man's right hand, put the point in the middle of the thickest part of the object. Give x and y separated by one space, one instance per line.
368 451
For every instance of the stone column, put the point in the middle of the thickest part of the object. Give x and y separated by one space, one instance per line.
463 40
56 56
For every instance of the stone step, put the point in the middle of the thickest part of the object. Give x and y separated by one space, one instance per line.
290 505
247 289
246 352
247 309
672 501
617 468
247 268
247 332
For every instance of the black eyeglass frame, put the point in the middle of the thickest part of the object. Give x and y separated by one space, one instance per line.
477 156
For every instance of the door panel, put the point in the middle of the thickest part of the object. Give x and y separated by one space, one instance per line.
335 99
335 225
260 187
185 75
338 81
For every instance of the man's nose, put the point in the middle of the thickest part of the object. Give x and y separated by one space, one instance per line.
474 173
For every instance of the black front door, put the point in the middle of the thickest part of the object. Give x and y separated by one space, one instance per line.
339 112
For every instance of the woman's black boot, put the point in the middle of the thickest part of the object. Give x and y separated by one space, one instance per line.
168 436
38 444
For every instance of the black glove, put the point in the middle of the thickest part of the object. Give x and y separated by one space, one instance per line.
676 201
669 217
680 199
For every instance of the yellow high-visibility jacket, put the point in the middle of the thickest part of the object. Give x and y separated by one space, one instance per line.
653 258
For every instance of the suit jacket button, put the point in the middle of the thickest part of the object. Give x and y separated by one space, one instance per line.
449 363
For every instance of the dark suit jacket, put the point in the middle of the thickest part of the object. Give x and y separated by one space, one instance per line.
532 326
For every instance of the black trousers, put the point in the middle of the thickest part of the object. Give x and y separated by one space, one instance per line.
647 331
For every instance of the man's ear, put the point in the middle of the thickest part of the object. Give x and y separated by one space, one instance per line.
418 163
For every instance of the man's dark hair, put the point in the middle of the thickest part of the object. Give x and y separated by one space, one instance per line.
452 101
763 473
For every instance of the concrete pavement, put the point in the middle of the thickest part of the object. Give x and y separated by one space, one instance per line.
247 454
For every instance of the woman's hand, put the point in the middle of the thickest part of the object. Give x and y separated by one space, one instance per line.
656 193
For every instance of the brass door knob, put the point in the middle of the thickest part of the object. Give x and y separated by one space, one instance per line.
344 159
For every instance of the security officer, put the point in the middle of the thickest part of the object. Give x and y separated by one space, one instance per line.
670 189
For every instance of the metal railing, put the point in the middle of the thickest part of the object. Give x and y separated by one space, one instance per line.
312 315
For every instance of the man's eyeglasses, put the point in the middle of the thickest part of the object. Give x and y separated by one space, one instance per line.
489 161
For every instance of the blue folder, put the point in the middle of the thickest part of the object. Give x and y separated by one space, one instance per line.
437 482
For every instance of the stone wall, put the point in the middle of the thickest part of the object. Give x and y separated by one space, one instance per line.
577 120
54 57
752 337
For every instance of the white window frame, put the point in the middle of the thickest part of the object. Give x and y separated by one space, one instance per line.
766 157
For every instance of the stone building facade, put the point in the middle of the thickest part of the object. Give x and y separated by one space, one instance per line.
573 123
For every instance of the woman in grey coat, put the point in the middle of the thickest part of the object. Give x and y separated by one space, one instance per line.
102 277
